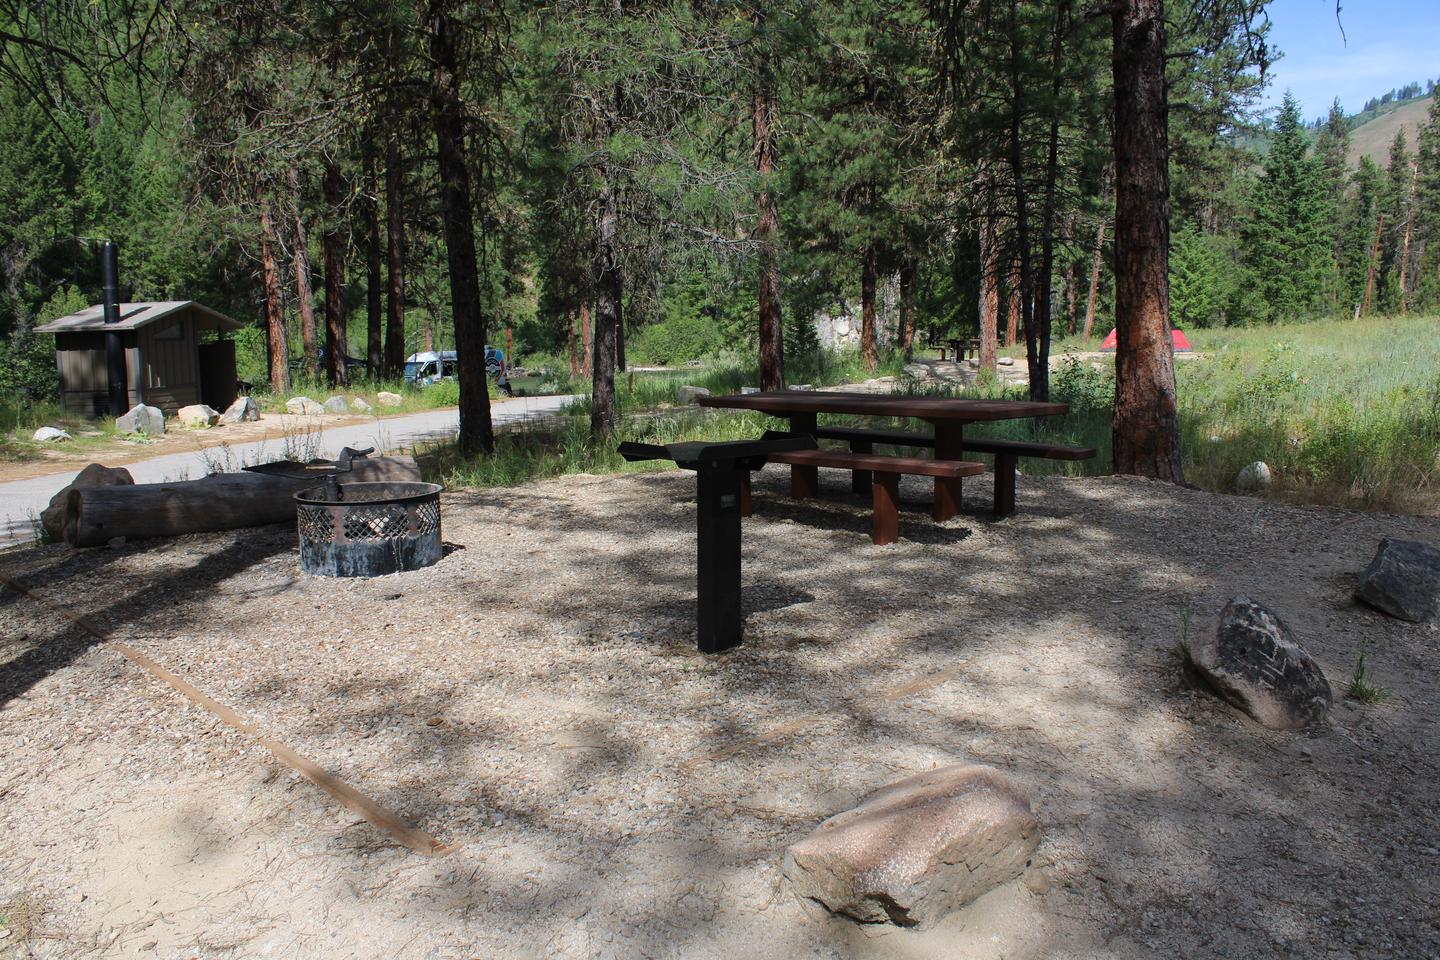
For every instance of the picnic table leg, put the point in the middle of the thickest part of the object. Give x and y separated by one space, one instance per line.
804 481
742 476
860 479
885 522
949 445
719 617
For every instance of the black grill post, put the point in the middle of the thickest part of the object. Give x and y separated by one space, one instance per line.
114 348
719 615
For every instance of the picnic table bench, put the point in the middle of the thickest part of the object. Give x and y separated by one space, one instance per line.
948 466
1007 454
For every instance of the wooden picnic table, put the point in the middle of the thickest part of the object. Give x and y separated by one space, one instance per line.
947 415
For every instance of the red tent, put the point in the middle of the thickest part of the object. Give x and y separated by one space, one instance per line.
1176 334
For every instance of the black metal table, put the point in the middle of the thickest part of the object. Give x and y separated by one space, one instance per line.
717 466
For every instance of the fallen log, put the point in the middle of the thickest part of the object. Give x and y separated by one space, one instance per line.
94 516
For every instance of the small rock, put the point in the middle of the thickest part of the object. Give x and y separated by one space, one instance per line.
1253 477
51 435
243 410
142 419
303 406
359 405
387 399
917 370
115 543
1403 580
689 394
52 519
336 405
1251 659
198 415
745 390
1005 361
918 848
802 386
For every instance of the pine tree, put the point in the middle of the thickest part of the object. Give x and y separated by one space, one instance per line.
1288 238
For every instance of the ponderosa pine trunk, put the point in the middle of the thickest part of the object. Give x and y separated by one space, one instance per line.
1012 309
1097 256
570 346
374 279
1069 240
772 338
276 342
587 340
1146 436
867 308
907 309
1039 376
989 305
394 237
457 211
304 288
1039 356
607 319
333 245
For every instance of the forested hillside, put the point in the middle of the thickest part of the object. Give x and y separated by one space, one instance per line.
694 177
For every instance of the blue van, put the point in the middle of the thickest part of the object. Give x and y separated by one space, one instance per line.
423 369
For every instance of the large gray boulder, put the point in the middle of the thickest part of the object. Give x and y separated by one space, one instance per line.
336 404
1403 580
51 435
359 405
52 518
1252 660
919 848
387 399
303 406
243 410
689 394
198 415
141 419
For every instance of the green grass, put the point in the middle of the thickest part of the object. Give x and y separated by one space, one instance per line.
1363 688
20 417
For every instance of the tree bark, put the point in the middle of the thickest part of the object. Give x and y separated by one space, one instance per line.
476 432
1070 275
1038 344
772 340
374 282
867 308
587 340
570 346
1405 242
304 289
989 305
907 309
1097 257
1146 437
394 246
1013 304
603 413
1374 261
336 349
276 342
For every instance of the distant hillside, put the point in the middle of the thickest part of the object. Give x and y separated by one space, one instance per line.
1373 139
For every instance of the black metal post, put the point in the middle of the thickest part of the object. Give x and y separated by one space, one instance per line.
114 348
719 617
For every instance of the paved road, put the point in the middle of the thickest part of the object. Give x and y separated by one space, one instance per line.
22 500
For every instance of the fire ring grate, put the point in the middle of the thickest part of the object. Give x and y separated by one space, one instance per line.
368 529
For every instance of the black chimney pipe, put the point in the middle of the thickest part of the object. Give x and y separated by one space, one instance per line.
114 349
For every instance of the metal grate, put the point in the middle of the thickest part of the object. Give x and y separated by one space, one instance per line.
427 517
376 523
315 525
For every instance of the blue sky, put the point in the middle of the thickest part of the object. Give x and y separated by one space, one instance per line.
1387 44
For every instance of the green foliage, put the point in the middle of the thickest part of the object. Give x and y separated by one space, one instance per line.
1203 286
1362 687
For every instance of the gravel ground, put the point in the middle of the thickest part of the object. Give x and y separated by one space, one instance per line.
535 699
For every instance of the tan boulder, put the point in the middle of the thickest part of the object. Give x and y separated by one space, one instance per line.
919 848
52 519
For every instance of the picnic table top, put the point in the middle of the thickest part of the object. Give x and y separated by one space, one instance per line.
787 402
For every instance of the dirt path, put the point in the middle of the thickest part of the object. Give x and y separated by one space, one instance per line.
535 699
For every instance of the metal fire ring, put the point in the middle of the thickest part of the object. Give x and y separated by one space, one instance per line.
368 529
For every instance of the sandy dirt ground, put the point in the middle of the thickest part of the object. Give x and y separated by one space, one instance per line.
535 700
